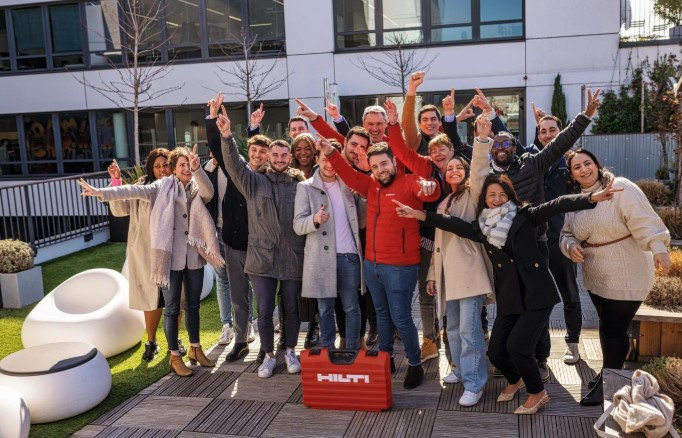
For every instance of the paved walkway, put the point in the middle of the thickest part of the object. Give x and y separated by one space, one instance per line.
230 400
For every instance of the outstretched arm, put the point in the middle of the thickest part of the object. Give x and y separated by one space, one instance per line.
355 180
320 125
237 169
412 135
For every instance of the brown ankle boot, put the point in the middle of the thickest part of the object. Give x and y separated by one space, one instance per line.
178 366
196 354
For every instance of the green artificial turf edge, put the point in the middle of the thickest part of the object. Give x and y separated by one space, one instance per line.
129 372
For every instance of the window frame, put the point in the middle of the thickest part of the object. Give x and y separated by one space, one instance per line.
426 28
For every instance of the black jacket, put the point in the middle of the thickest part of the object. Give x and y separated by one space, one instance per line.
522 277
556 184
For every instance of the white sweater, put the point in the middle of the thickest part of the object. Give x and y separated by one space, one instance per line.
622 270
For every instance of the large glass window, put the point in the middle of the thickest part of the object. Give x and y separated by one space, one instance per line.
103 30
10 156
75 136
40 144
424 21
29 39
112 136
5 64
66 29
152 131
183 27
223 26
190 128
266 24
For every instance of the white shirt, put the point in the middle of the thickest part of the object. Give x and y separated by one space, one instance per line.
345 241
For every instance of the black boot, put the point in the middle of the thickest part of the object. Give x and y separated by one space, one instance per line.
596 396
260 357
312 337
239 350
392 366
594 381
372 335
415 375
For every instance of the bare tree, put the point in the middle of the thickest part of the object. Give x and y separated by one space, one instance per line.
251 76
394 67
141 67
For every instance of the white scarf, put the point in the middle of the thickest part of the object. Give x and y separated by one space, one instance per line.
496 222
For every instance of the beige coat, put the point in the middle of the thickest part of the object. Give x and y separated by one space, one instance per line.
623 270
144 294
183 254
319 261
460 266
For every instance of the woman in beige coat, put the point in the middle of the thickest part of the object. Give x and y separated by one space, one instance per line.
143 293
619 243
182 239
459 273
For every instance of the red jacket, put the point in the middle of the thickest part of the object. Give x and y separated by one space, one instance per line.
326 131
391 240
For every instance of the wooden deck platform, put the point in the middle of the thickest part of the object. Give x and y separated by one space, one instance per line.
231 401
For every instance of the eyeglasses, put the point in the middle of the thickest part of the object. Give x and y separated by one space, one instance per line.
507 144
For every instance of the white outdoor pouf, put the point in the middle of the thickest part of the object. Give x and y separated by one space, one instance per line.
57 380
16 420
89 307
209 279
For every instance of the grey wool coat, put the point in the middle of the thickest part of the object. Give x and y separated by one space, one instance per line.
319 268
274 249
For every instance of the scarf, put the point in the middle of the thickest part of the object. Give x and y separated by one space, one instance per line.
641 408
496 222
201 230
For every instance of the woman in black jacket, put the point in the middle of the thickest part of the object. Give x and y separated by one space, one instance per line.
524 287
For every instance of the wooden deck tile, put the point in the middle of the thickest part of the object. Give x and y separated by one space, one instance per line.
296 396
474 424
425 396
130 432
186 434
238 417
301 421
249 386
402 423
531 426
88 431
449 399
110 417
205 383
592 349
163 412
564 401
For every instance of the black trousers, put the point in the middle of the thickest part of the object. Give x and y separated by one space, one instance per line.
544 344
565 274
512 346
615 317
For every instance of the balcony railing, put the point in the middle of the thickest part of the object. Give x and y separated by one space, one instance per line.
640 24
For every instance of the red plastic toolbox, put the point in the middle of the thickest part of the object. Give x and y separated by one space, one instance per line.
346 379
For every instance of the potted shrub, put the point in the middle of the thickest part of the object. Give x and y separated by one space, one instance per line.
670 11
21 283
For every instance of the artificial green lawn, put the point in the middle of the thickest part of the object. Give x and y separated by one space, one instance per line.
130 373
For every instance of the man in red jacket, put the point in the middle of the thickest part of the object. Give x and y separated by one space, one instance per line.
392 253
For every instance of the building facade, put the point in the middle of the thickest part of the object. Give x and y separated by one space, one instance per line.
51 124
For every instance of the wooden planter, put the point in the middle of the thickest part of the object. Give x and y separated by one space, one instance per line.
660 332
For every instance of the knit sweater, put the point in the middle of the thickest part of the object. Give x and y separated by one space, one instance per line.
623 270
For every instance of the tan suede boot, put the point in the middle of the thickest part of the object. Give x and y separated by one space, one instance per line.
196 354
178 366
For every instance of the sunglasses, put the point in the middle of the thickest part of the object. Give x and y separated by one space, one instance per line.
507 144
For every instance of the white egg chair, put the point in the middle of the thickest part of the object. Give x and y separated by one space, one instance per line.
16 420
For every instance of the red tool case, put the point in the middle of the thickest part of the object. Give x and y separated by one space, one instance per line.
346 379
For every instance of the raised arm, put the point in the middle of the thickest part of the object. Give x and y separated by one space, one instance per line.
355 180
480 167
427 190
144 192
256 120
418 164
540 214
320 125
453 225
237 169
412 135
340 122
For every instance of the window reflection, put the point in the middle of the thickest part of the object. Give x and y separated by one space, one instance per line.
65 26
104 36
450 12
224 26
152 131
10 157
75 136
190 128
498 10
29 39
112 135
266 24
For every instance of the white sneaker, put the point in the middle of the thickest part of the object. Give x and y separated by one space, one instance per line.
250 333
226 335
451 378
293 366
470 398
267 367
572 354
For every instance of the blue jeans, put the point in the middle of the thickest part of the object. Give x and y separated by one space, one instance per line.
347 283
392 288
223 285
467 345
193 280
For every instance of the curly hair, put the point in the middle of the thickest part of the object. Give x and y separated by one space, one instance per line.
149 164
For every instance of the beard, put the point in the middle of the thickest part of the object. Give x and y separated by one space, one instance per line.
388 180
509 158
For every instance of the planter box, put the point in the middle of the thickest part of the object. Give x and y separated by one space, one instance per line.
659 332
22 288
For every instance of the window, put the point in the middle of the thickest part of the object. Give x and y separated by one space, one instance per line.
29 39
190 128
223 25
10 155
368 23
112 137
104 37
67 38
5 63
183 28
76 142
266 24
152 131
40 144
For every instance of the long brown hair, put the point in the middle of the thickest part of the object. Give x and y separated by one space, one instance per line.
461 186
504 182
149 164
604 176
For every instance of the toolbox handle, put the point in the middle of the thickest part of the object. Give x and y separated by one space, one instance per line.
342 356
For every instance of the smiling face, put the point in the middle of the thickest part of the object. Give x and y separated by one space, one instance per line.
503 150
304 153
584 170
182 170
351 147
440 154
161 167
326 169
383 168
495 196
455 173
280 157
375 123
297 127
258 155
547 131
429 122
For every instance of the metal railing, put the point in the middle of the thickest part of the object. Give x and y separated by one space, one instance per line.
46 212
639 23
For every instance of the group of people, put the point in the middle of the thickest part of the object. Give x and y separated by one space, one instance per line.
346 226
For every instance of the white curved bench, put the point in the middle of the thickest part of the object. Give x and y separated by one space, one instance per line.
89 307
57 380
16 420
209 280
